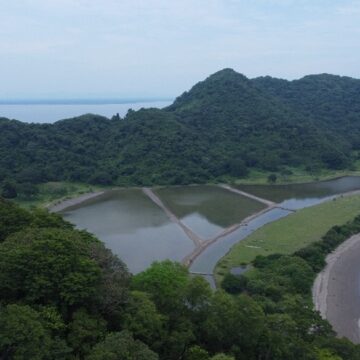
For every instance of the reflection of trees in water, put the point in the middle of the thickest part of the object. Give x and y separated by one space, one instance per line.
279 193
120 211
217 206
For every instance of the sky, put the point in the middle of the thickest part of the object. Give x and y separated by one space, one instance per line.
160 48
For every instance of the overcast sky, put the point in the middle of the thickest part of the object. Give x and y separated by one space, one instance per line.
159 48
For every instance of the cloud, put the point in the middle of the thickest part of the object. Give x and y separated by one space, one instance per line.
352 8
161 47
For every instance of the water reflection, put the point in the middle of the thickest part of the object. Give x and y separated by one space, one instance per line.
293 197
132 226
137 230
206 262
293 193
207 209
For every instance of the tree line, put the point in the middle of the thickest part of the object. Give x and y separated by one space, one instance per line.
63 295
221 129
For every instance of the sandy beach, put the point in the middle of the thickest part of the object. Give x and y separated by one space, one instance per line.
64 204
336 291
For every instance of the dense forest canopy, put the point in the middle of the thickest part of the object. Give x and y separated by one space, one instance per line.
222 127
64 296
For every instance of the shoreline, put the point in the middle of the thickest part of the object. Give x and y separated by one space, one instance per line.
335 294
61 205
297 179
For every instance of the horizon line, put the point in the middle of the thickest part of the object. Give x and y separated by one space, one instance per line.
81 100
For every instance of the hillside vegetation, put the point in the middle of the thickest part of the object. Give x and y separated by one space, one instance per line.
64 296
291 233
218 130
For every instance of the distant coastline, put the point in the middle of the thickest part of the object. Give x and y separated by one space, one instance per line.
52 110
81 101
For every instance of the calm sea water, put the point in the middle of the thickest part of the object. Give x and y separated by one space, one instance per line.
49 113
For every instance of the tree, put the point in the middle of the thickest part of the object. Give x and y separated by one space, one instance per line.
334 159
325 354
121 346
27 190
115 279
234 284
23 335
48 266
166 281
272 178
8 191
85 331
143 320
196 353
222 357
237 168
12 218
233 321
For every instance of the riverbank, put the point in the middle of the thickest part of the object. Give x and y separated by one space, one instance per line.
64 204
53 193
336 289
297 176
291 233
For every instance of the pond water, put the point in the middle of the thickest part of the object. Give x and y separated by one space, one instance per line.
298 196
207 209
140 232
132 226
206 262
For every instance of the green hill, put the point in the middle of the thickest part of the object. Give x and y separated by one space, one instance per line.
222 127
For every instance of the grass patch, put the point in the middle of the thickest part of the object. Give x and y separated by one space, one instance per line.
257 177
287 235
53 192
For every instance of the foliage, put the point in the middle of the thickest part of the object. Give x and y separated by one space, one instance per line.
292 233
281 285
233 284
24 335
8 191
144 320
166 282
121 346
223 127
48 266
63 295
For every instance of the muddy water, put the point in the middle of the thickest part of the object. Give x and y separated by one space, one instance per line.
297 196
137 230
294 196
207 261
132 226
207 209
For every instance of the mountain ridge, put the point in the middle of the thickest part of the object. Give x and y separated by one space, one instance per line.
222 127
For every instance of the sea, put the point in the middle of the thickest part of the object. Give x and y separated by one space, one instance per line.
50 111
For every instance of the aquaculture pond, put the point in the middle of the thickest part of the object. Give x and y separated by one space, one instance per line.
296 196
132 226
140 230
289 197
207 210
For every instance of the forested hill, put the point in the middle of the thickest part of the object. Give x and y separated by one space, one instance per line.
333 101
222 127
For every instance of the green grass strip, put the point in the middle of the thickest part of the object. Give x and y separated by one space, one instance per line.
287 235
